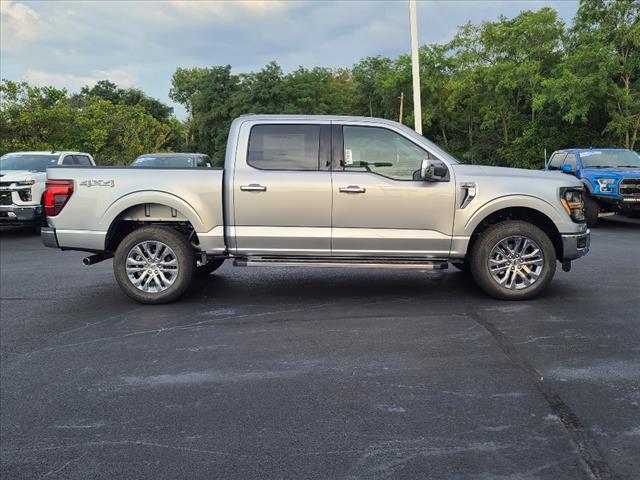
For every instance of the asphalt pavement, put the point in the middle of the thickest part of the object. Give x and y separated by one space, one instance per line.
277 373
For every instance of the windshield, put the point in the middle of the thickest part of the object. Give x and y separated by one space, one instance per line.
164 161
28 161
610 159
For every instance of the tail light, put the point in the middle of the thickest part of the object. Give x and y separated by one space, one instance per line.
56 196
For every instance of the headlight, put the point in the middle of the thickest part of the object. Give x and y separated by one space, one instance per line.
25 195
573 204
606 184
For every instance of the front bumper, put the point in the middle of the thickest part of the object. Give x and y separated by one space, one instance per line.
619 204
15 214
575 245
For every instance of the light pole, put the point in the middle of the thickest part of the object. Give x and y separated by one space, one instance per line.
415 67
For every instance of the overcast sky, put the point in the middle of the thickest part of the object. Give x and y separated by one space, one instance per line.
141 43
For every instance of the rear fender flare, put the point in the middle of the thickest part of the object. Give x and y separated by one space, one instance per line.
157 197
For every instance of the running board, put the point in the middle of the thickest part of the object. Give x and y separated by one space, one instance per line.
420 264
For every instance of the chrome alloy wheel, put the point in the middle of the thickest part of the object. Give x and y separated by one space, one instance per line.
152 266
516 262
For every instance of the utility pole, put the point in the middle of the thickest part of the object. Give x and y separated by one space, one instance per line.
415 67
401 106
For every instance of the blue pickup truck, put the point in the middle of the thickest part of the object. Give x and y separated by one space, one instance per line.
611 178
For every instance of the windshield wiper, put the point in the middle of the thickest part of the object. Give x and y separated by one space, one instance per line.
628 166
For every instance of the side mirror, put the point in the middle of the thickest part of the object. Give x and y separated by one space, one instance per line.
434 171
567 169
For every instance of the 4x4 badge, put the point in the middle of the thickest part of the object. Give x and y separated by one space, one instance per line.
97 183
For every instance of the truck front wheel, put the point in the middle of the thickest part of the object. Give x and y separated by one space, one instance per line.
591 209
513 260
154 264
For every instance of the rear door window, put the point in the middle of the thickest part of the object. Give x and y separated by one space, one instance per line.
68 161
284 147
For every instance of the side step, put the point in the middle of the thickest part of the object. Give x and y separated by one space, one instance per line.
396 263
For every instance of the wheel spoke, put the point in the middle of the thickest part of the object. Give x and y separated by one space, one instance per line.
152 266
515 262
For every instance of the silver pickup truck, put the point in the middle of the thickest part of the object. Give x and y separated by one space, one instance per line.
320 191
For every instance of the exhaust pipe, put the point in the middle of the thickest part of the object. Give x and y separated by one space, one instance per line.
97 258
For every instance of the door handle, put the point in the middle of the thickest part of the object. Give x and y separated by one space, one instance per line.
254 187
352 189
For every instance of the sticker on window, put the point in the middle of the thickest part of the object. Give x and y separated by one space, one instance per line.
588 154
348 157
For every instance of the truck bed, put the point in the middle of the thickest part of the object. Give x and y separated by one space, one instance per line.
104 194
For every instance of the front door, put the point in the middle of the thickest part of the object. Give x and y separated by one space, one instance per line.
381 206
282 190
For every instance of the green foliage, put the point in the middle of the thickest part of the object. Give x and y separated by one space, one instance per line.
500 93
114 125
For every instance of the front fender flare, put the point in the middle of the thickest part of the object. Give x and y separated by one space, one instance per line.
515 201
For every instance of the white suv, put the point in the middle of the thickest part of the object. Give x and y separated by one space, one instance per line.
22 182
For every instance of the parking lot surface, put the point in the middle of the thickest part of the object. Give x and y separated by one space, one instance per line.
320 374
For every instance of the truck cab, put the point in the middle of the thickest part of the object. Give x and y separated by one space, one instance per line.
611 177
22 183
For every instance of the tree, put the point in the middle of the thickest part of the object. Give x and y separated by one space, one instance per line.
45 118
599 80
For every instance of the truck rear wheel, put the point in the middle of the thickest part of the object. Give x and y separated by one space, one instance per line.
154 264
513 260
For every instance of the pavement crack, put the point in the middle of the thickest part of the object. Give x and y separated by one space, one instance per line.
586 447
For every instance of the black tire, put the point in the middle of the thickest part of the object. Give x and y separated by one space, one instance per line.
209 267
591 209
184 255
489 238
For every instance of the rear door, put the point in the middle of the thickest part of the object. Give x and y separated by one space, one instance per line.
282 189
381 206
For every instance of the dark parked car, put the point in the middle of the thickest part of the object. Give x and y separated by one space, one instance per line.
164 160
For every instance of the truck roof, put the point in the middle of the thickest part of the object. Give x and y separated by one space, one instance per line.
284 117
170 154
48 152
580 150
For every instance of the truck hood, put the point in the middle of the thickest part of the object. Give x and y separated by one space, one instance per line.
617 173
21 176
515 173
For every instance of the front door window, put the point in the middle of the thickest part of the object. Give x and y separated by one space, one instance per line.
383 152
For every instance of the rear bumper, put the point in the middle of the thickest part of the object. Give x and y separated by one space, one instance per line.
575 245
11 214
49 238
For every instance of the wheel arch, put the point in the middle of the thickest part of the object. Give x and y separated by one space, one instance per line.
159 212
527 214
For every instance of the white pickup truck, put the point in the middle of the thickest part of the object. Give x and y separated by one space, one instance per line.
320 191
22 183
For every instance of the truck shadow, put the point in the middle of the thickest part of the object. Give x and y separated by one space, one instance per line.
294 286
